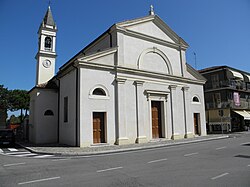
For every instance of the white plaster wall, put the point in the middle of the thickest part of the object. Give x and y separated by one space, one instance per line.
179 112
108 60
90 79
129 51
131 48
150 29
154 62
43 128
130 109
45 74
179 123
67 130
197 90
103 43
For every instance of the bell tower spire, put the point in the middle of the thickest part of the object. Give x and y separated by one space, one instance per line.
46 55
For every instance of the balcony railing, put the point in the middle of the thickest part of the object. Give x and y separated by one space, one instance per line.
239 85
229 104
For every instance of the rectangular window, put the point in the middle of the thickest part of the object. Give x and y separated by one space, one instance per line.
65 112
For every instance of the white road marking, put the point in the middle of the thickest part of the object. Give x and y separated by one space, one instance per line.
40 180
153 161
1 151
249 165
15 164
109 169
60 159
220 148
30 154
219 176
43 156
12 149
245 143
190 154
16 153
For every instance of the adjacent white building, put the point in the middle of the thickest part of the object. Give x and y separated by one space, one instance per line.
130 85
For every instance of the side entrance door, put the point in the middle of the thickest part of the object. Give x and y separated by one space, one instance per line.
196 123
98 127
156 119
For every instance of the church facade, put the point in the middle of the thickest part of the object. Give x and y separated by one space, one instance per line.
130 85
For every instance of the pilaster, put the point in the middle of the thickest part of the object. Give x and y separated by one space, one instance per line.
187 113
121 112
174 115
140 111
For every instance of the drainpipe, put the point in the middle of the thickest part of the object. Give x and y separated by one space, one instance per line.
184 89
58 112
76 132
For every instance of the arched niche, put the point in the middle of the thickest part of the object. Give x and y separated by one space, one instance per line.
154 60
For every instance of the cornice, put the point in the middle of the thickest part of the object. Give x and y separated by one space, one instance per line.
41 28
46 54
135 21
98 54
137 72
150 38
95 66
161 76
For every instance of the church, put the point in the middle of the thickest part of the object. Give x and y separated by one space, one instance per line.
130 85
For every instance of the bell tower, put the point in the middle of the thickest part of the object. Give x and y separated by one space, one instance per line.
46 55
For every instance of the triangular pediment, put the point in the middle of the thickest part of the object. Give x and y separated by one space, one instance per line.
152 26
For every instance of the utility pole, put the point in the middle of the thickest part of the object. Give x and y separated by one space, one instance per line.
221 114
195 64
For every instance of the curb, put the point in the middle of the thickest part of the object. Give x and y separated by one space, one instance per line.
122 150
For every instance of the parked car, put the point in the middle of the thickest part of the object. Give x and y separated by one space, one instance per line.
7 137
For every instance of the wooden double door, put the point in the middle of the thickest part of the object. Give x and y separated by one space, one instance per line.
99 127
156 119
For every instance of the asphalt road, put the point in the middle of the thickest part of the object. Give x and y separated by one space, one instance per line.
224 162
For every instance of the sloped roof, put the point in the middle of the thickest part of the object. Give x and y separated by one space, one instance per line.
205 70
211 69
195 73
155 18
47 85
48 18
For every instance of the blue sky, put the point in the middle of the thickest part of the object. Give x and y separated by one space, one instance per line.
218 31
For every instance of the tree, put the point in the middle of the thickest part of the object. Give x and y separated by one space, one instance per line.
4 97
19 100
14 120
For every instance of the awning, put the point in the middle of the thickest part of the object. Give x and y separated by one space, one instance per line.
243 113
247 77
234 74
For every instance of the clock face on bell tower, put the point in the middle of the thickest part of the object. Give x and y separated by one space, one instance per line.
46 54
46 63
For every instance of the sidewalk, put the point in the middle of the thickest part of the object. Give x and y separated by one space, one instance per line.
65 150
